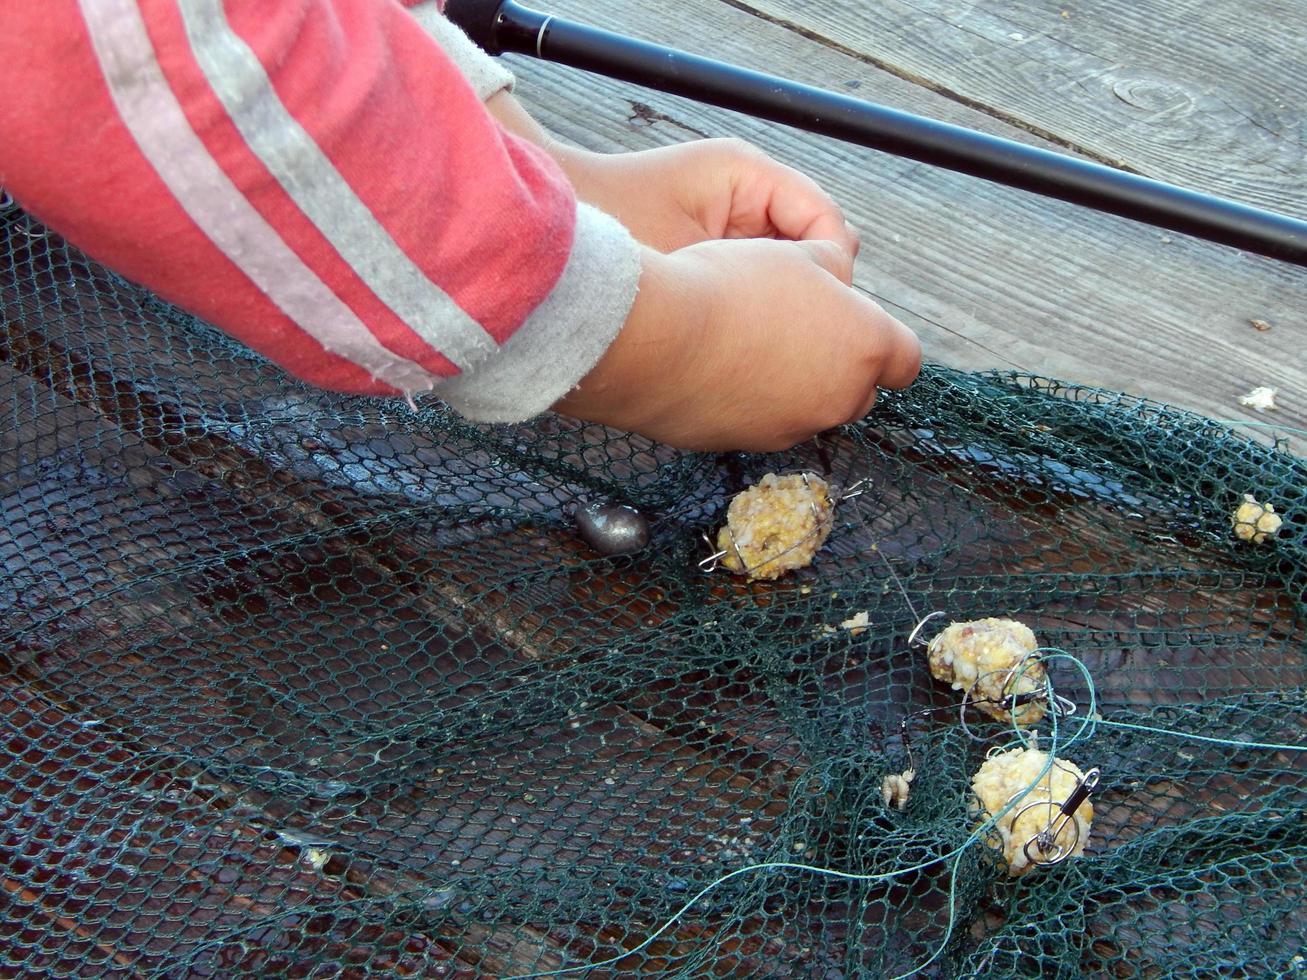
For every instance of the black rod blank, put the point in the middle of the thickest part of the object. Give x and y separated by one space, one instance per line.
501 26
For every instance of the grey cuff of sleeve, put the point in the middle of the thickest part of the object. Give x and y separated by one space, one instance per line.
487 75
566 334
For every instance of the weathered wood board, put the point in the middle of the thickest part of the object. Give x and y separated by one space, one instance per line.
1209 95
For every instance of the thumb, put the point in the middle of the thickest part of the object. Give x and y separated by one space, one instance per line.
834 258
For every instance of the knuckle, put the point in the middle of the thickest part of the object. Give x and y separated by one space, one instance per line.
833 258
910 360
779 442
841 410
735 146
866 406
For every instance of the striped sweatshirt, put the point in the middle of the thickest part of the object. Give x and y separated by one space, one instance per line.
319 179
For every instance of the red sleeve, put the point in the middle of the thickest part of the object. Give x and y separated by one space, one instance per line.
315 177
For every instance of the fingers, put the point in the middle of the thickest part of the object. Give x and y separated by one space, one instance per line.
899 347
892 351
831 256
789 201
902 360
898 351
751 345
867 406
801 211
894 358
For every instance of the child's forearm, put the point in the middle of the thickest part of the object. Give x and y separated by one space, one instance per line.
510 114
319 179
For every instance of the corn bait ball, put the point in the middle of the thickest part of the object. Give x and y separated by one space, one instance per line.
1009 773
1255 521
981 657
777 525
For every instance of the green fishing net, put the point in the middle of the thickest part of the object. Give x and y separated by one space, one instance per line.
296 684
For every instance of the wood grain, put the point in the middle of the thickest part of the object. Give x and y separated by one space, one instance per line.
989 277
1207 95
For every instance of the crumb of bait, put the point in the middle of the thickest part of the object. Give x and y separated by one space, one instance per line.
776 526
1000 778
1261 399
981 658
858 623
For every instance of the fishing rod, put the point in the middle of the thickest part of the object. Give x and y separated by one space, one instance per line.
503 27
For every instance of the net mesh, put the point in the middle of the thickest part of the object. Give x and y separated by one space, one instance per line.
296 684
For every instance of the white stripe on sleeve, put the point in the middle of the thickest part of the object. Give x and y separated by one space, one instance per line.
155 119
237 77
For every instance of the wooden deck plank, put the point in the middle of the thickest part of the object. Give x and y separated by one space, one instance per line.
1208 95
989 277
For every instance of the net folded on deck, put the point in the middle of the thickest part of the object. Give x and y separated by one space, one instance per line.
297 684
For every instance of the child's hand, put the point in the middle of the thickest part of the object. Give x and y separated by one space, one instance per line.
707 189
752 345
749 344
698 191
